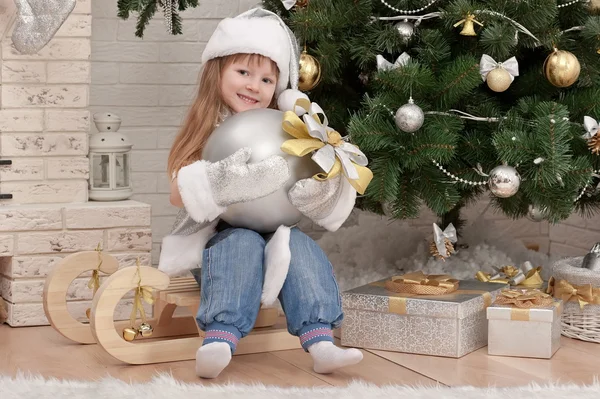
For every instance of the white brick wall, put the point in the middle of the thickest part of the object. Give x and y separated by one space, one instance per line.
44 127
44 116
35 237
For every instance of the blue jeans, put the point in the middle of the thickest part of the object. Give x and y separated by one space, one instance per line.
231 281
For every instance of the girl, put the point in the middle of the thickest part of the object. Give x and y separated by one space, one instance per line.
248 62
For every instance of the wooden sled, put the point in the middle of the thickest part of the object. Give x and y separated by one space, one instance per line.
173 338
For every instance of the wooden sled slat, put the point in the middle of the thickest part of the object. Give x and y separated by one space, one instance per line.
55 292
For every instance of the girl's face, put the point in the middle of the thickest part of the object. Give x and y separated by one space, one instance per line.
248 84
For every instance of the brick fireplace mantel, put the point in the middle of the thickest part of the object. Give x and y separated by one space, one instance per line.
44 132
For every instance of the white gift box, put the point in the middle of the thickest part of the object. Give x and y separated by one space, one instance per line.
519 332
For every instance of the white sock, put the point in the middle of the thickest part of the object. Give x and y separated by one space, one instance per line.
212 358
327 357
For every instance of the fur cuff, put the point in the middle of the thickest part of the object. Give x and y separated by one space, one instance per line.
342 209
196 193
179 254
277 264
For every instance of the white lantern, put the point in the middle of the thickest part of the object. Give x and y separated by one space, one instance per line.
110 160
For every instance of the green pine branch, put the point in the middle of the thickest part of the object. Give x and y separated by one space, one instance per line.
146 10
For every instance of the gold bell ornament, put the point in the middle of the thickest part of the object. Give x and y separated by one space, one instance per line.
561 68
130 333
468 27
310 72
498 75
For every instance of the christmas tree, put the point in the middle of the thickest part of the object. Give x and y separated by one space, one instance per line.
454 99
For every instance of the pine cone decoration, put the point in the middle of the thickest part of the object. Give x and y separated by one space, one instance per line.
449 250
594 144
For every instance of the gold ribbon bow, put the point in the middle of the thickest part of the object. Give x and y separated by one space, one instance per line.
422 284
330 151
94 282
528 275
525 300
584 294
141 293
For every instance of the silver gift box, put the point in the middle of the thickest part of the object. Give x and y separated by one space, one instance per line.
442 325
524 332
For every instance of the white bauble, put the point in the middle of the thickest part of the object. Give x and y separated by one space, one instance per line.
504 181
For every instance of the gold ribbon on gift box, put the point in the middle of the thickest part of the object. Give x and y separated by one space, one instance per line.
522 301
330 151
422 284
584 294
417 283
527 276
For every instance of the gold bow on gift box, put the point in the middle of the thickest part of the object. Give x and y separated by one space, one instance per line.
521 302
528 275
415 284
525 300
422 284
330 151
584 294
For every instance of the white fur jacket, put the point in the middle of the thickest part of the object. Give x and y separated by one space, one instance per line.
182 249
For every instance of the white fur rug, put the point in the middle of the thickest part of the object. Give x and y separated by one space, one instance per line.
164 386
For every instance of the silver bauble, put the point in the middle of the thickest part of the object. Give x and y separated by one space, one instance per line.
409 117
405 29
535 214
261 130
591 261
504 181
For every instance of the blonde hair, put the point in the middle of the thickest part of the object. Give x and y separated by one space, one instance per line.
203 114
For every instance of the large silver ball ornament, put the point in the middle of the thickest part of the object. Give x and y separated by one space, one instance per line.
261 130
405 29
504 181
409 117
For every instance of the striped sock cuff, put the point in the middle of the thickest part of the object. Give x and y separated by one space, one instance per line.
218 332
314 333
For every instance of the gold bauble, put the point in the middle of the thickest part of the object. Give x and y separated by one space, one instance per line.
561 68
434 251
129 334
146 330
310 72
498 79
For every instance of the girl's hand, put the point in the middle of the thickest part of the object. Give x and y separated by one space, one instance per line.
328 203
207 188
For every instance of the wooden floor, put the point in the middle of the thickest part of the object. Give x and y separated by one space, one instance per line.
41 350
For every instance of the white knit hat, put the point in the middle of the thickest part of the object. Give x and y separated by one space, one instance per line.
258 31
